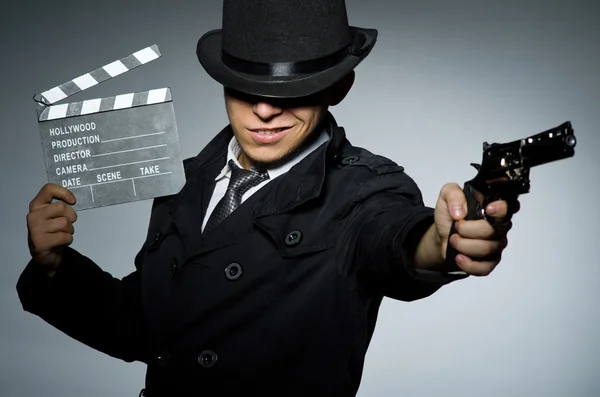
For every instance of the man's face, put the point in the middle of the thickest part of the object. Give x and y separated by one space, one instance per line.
269 130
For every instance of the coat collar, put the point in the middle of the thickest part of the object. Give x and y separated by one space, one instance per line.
303 182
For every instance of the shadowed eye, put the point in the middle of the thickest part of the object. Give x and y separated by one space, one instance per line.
283 103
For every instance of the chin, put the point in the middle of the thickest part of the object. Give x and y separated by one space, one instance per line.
266 159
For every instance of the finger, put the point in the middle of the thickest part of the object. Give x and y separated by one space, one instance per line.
503 209
476 268
51 240
58 209
39 220
482 229
455 200
55 225
475 248
48 192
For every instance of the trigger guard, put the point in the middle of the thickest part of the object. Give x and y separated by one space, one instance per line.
480 211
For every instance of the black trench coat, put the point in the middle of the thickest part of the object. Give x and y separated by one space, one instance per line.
281 299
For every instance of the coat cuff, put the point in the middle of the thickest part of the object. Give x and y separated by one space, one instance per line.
406 244
37 290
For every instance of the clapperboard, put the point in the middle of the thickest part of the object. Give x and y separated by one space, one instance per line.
111 150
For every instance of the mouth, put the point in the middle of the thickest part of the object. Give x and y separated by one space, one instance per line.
269 131
269 135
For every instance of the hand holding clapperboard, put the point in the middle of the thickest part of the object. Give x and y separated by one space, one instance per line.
111 150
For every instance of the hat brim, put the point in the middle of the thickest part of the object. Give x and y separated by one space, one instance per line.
209 54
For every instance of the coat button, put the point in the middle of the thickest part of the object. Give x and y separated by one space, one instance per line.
207 358
155 241
162 357
233 271
293 238
349 160
174 266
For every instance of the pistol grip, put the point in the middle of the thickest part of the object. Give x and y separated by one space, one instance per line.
475 211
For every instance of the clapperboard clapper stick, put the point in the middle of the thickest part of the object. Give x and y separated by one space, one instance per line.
111 150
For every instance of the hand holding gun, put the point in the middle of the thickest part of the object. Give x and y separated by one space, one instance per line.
504 173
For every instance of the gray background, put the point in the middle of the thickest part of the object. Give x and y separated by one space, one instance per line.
444 77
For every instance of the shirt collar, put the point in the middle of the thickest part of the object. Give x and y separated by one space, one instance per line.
234 149
233 152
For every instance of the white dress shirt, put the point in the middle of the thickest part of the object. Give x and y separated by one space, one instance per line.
233 152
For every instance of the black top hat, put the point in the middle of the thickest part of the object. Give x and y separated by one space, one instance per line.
283 48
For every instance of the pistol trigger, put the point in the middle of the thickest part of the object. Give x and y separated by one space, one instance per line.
476 166
481 214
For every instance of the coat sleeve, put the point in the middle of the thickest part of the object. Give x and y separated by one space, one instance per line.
388 223
88 304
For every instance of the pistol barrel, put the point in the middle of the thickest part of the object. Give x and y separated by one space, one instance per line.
548 146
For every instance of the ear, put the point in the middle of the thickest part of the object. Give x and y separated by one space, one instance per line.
339 90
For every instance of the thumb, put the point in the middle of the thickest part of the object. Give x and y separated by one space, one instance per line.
456 202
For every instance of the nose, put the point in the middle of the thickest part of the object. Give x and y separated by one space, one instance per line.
266 110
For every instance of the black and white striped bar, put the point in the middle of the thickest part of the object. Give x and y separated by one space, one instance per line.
99 105
98 76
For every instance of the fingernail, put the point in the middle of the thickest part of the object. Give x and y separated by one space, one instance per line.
457 211
491 209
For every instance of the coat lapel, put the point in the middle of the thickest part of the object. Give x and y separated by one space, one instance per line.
300 184
188 208
304 181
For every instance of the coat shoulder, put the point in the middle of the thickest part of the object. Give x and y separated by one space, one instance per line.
369 174
356 156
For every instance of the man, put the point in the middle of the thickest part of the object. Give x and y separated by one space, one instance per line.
273 289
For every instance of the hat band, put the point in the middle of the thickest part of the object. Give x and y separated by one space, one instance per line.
280 69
